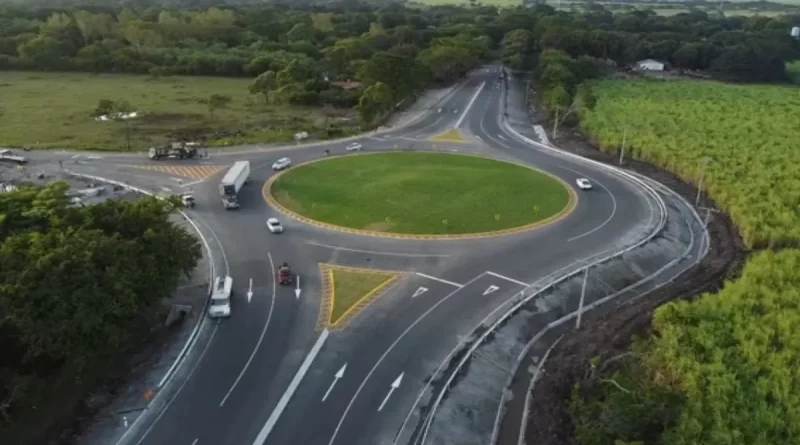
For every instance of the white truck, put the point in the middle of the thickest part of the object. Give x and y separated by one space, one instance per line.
9 156
220 306
232 182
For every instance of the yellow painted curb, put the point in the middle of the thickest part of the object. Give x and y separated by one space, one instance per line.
452 135
572 203
329 295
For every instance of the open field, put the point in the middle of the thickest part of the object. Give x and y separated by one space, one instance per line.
55 110
420 193
350 288
743 137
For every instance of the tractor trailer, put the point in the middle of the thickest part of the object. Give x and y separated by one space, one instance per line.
233 181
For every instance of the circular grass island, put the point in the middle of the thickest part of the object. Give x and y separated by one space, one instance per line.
420 194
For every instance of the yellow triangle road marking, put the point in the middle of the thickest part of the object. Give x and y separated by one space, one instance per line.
453 136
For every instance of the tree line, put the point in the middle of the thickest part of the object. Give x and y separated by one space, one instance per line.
564 50
296 54
77 285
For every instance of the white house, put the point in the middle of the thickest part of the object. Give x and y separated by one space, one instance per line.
650 65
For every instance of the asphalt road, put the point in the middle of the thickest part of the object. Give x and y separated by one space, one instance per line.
235 377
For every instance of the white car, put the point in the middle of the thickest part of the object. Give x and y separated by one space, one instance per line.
281 163
274 225
355 146
583 184
221 298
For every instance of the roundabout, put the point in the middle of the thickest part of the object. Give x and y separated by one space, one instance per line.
420 195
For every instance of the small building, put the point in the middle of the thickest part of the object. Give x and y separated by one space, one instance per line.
650 65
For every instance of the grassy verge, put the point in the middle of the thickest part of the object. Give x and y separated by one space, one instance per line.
55 110
420 193
351 288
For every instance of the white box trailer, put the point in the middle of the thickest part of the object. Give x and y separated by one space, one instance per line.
232 183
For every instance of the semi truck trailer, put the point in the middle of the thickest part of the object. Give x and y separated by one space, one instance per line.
232 182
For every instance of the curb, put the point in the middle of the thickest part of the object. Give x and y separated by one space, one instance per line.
192 340
572 203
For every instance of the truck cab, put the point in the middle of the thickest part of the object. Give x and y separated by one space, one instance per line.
221 298
188 200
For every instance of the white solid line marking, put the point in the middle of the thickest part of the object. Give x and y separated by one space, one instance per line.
180 388
469 105
219 243
521 283
194 442
501 137
347 249
263 332
273 418
439 280
389 350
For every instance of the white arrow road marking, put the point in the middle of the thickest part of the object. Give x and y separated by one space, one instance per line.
419 292
297 289
250 292
395 385
339 374
491 289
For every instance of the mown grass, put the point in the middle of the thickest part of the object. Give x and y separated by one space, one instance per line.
420 193
350 287
54 110
743 136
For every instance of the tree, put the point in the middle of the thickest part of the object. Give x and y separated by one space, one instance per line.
374 102
518 49
216 101
264 84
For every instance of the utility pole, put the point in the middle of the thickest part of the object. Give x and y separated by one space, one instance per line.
583 294
622 150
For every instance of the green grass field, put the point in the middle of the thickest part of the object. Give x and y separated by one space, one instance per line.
54 110
350 288
420 193
745 135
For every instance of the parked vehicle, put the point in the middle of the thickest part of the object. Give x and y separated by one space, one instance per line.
221 298
7 155
175 150
232 183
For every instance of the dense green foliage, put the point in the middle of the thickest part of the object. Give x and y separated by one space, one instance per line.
420 193
566 49
294 55
721 370
743 137
74 283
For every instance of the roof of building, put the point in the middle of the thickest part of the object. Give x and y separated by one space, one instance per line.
649 61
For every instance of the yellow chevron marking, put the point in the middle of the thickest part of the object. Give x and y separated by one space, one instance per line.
453 136
187 171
